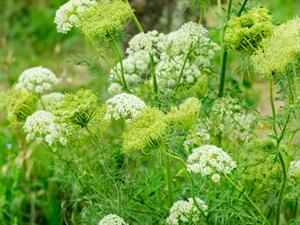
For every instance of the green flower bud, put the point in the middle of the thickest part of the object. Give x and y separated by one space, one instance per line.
145 132
245 33
21 105
280 50
104 19
186 115
77 109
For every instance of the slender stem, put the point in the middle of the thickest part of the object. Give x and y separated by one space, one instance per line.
191 179
201 10
282 188
182 68
137 23
169 181
242 8
154 80
247 197
106 167
224 54
168 175
272 104
295 209
121 64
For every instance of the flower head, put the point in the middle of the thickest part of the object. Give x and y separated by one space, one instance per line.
189 36
105 19
185 211
169 69
146 131
37 80
77 109
67 15
186 114
136 69
22 104
245 33
124 106
279 50
210 160
144 42
112 219
42 126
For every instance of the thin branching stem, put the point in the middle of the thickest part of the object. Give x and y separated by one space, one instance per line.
247 197
225 49
242 8
137 23
153 73
191 179
224 53
121 64
106 167
271 98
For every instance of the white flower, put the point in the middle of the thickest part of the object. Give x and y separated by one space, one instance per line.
169 69
189 36
67 15
144 42
136 68
37 80
112 219
215 178
41 126
185 211
124 106
114 89
294 169
210 159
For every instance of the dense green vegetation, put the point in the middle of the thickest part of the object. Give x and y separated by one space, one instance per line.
102 169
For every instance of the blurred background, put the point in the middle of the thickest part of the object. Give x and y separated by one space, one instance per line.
29 191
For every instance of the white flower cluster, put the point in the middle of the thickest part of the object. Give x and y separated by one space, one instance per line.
190 36
169 68
135 67
112 219
185 211
50 100
185 53
294 169
124 106
41 126
37 80
209 159
67 15
144 42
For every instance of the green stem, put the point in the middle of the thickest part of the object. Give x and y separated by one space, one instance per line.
201 10
154 80
247 197
242 8
137 23
224 54
121 64
168 178
282 188
272 104
191 179
182 68
106 167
